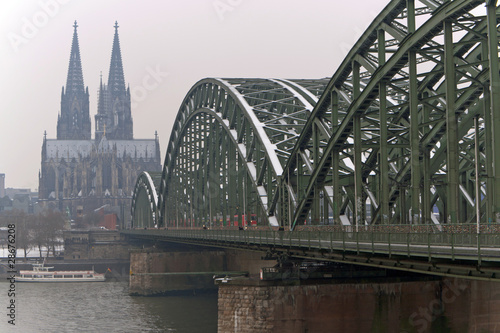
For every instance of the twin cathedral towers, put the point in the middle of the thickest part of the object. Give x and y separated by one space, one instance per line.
79 174
113 110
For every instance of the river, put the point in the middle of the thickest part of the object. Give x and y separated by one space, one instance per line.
102 307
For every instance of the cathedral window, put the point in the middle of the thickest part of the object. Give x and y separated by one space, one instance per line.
75 118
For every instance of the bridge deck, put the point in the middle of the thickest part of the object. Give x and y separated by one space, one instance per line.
473 255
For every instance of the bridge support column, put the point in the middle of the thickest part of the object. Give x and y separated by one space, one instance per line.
181 269
440 305
157 272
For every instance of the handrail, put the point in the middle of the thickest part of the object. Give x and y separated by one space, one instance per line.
458 245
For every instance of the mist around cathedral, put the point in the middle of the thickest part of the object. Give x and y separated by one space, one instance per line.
86 178
66 235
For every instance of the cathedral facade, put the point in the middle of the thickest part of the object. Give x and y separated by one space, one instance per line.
79 174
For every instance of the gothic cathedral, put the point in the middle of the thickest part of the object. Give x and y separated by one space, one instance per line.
80 175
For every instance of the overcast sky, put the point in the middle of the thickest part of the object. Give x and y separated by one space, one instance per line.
167 46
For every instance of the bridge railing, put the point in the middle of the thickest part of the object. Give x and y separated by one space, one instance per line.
451 245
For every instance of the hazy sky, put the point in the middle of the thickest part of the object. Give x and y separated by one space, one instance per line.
167 46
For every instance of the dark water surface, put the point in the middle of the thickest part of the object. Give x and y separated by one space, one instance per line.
103 307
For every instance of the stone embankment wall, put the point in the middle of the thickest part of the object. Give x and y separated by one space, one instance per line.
95 244
155 271
445 305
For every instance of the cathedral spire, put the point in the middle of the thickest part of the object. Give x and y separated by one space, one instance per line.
114 109
74 120
116 80
74 83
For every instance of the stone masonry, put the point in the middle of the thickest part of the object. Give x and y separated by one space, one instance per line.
443 305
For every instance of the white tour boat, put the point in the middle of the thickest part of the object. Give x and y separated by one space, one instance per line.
40 273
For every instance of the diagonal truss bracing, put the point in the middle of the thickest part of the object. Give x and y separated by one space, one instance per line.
407 131
228 147
411 130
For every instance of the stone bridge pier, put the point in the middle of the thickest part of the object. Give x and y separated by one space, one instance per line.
178 268
345 299
435 305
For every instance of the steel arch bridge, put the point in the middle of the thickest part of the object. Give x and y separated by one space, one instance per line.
229 145
145 200
405 132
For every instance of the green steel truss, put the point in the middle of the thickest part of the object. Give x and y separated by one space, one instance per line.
411 127
228 147
405 132
144 206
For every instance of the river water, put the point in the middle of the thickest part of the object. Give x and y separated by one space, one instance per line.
103 307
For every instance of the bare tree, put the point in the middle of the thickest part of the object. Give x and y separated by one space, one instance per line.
54 223
24 237
47 230
38 232
22 222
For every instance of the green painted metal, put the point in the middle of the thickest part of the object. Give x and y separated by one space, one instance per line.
451 126
144 208
403 133
492 15
410 248
228 147
414 82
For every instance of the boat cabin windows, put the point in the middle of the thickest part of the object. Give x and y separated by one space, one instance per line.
42 274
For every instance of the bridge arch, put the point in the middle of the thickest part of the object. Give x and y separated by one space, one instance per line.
410 123
144 208
403 133
228 146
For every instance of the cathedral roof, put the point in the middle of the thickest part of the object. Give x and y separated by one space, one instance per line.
69 149
137 148
104 146
116 80
74 82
